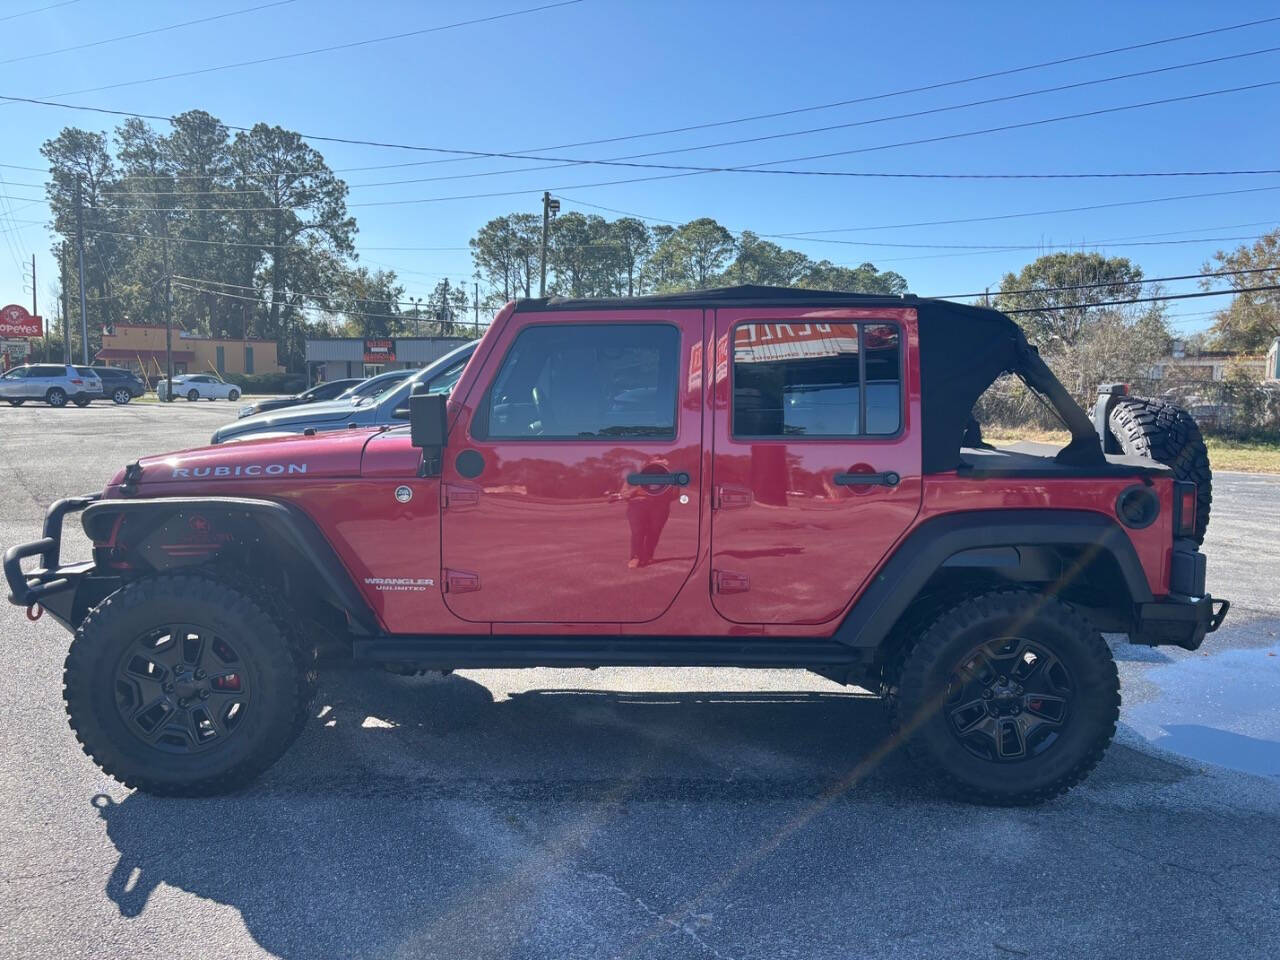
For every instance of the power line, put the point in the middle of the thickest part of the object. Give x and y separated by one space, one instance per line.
1113 283
303 306
299 293
145 33
1163 297
681 170
52 6
329 49
855 100
559 162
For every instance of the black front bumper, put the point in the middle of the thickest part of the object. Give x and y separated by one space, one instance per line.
1178 620
51 586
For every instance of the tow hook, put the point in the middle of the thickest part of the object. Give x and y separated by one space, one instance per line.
34 612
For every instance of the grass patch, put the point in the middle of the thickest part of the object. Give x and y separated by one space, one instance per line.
1246 456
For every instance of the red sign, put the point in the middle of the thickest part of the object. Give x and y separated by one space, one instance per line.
379 351
16 322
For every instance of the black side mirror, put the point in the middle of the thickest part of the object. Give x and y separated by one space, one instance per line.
428 429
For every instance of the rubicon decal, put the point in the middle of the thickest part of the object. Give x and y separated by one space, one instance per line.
252 470
398 584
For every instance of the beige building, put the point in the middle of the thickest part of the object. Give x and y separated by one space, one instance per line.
141 348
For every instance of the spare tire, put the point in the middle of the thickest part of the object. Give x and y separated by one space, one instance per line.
1161 431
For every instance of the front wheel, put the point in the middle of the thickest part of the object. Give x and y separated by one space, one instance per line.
233 396
193 395
183 686
1009 697
121 396
57 397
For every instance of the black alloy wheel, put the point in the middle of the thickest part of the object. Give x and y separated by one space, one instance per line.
1009 700
181 688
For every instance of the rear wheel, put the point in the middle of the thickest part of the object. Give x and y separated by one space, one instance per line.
193 395
233 396
184 686
1161 431
81 401
1010 698
121 396
56 397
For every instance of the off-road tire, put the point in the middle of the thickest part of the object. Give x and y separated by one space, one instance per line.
918 697
1159 430
280 674
233 396
16 403
121 396
193 395
56 397
81 402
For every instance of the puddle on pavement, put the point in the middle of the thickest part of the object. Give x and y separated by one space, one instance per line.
1224 709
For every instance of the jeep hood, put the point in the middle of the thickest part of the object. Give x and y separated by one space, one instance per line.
289 418
282 460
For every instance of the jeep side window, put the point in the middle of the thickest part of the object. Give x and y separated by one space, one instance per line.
571 381
816 380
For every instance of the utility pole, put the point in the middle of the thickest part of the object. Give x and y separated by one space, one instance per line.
66 314
550 207
84 305
35 310
476 302
168 316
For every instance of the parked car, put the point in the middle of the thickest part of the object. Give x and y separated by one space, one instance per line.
54 383
376 384
596 467
352 410
119 384
329 390
198 386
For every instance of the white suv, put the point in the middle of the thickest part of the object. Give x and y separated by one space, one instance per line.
198 386
54 383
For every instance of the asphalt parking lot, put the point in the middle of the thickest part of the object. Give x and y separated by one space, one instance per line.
637 813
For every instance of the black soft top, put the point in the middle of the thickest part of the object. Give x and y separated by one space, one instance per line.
963 349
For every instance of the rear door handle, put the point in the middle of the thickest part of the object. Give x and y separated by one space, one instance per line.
680 479
886 479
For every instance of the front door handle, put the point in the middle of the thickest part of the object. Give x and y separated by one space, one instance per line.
680 479
886 479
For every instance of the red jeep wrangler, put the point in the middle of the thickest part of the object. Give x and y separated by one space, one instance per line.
751 477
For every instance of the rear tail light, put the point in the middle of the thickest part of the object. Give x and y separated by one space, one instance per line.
75 381
1184 508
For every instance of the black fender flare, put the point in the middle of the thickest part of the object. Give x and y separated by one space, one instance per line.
933 543
288 525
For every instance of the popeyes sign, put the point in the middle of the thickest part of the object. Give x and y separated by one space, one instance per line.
16 322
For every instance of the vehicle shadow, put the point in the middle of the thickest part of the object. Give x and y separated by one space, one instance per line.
429 817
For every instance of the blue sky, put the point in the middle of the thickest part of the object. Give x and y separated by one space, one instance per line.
607 68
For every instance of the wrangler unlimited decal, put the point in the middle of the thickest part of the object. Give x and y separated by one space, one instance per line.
392 584
253 470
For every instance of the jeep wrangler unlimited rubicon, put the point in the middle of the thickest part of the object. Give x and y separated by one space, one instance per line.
751 477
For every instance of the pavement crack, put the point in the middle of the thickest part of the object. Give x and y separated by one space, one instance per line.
686 927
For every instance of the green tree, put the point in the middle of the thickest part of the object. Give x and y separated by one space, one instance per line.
295 195
632 242
764 262
690 256
1252 320
864 278
1061 317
